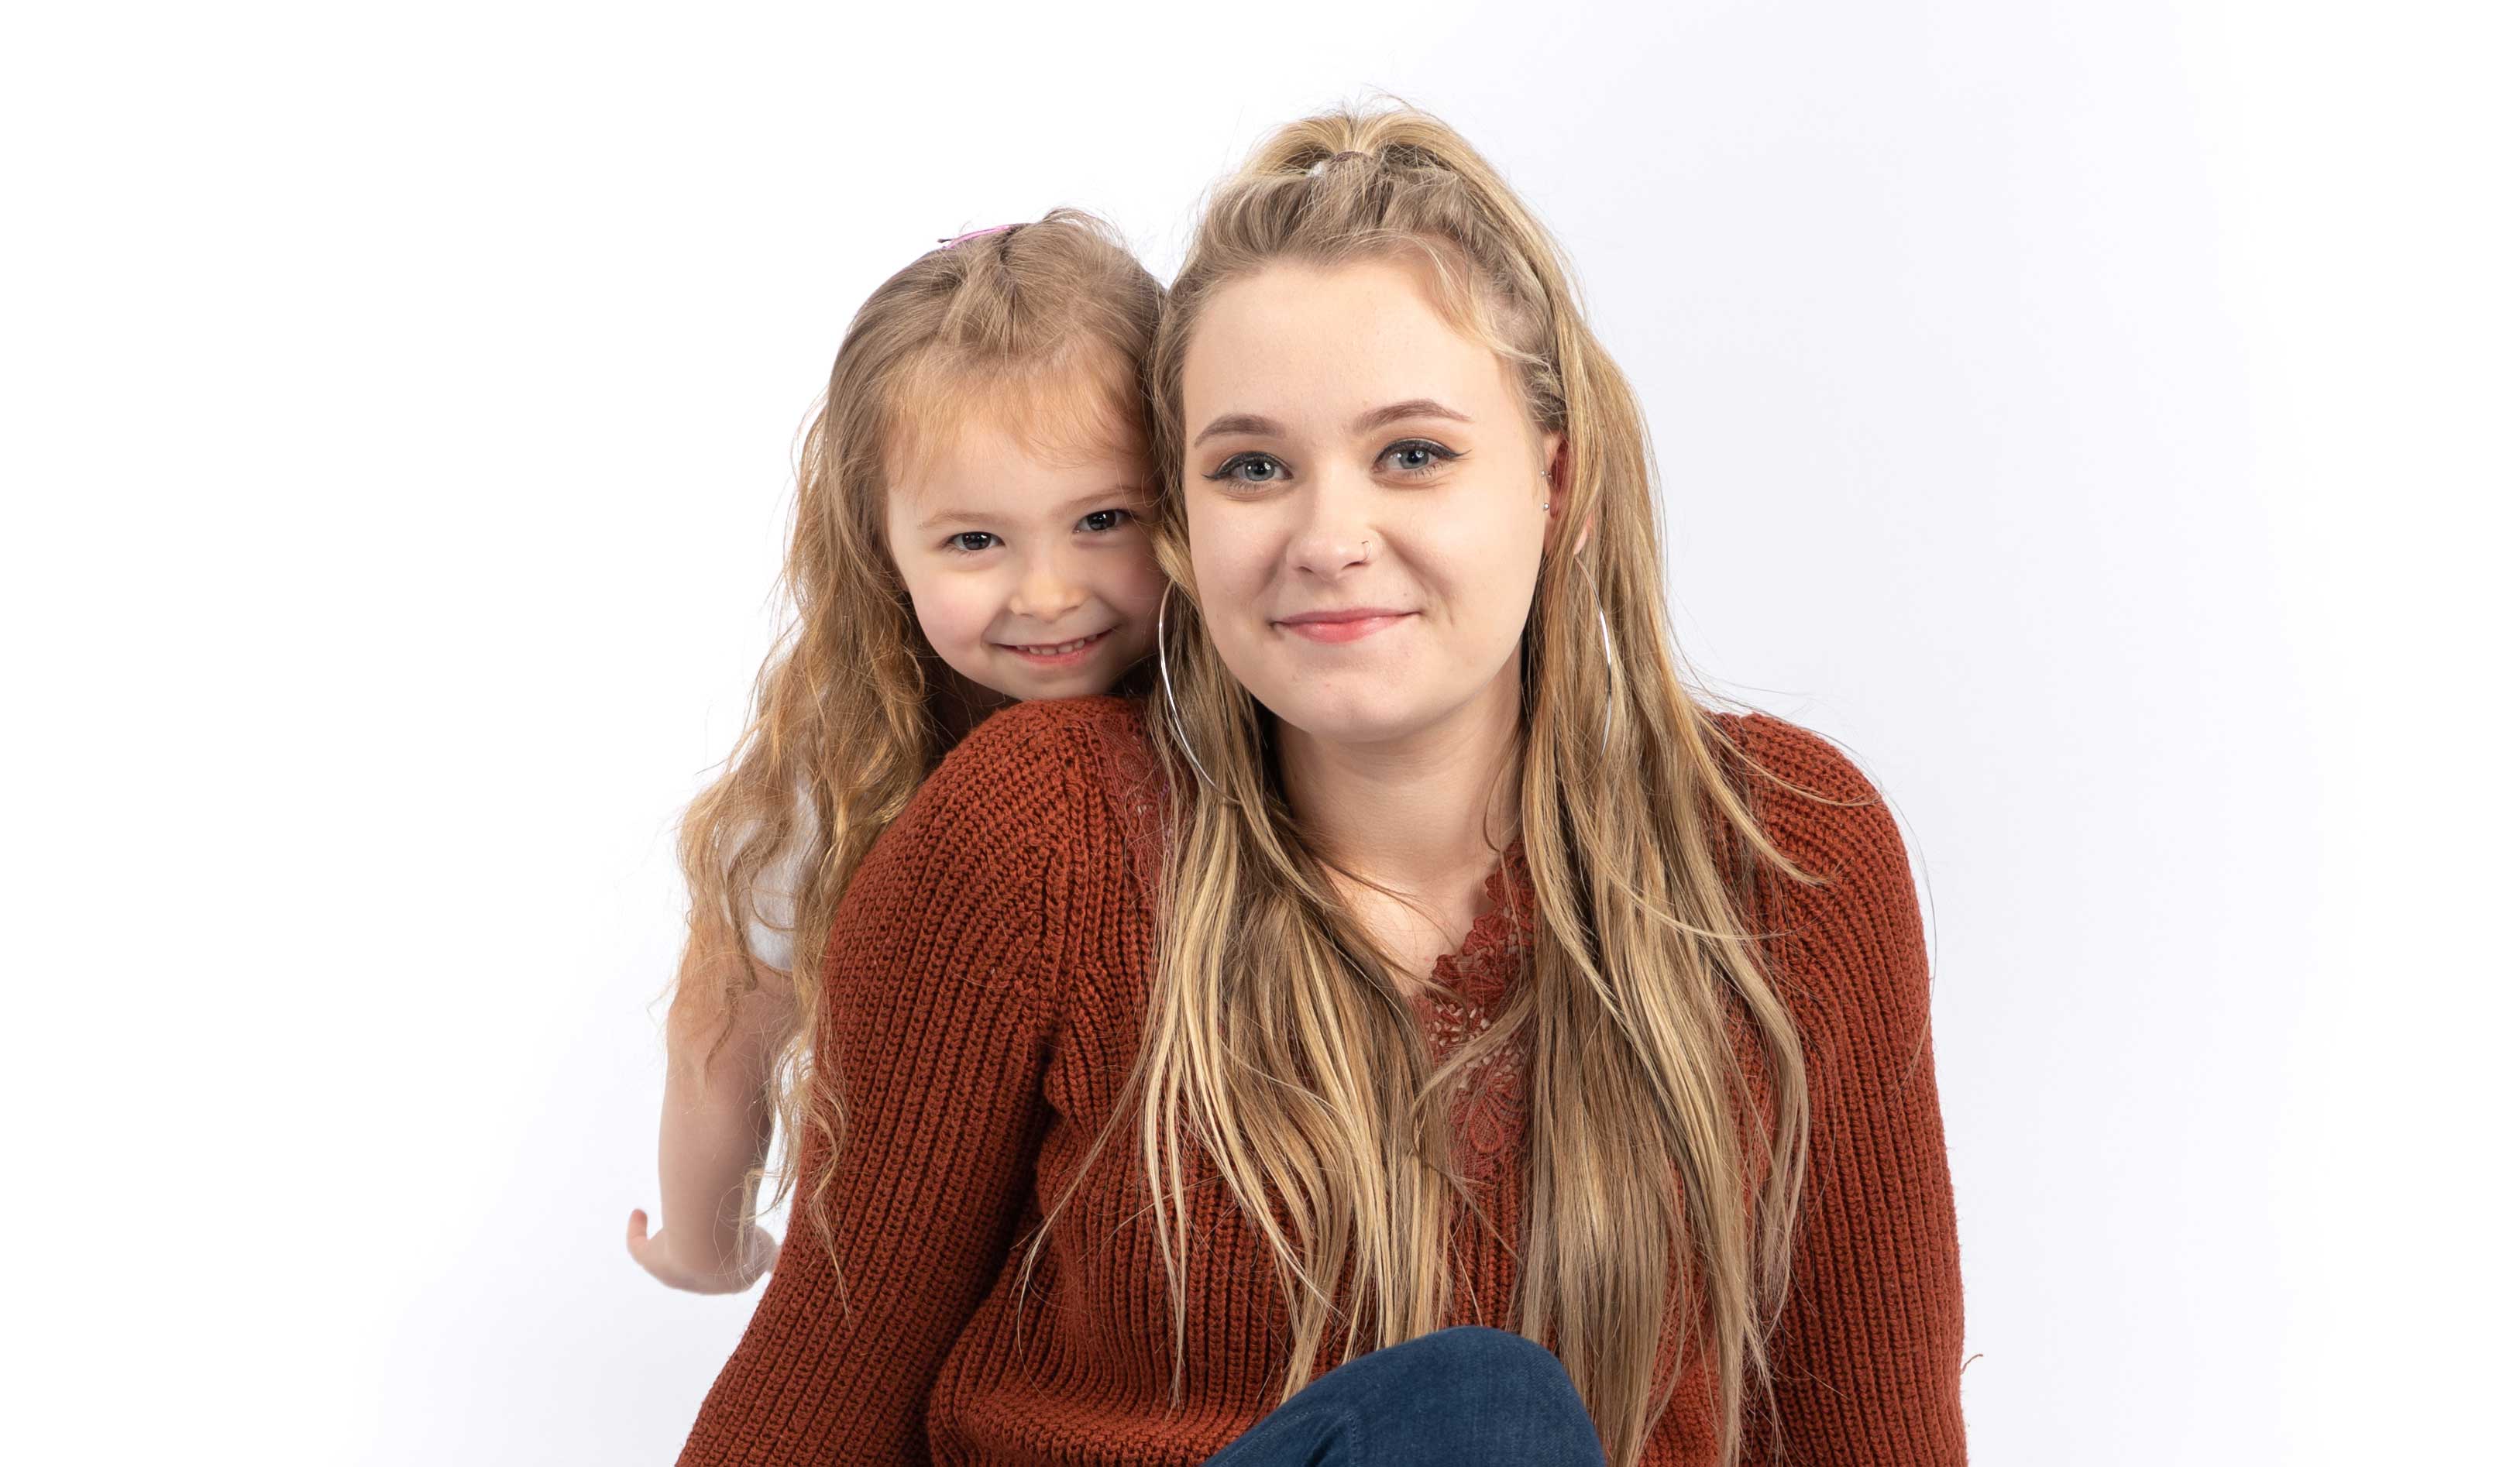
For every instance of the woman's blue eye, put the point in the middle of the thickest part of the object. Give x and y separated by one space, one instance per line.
1418 456
1233 470
963 542
1102 521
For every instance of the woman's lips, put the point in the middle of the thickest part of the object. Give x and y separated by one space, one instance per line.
1343 626
1058 653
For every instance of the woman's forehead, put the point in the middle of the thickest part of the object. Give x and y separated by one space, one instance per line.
1323 348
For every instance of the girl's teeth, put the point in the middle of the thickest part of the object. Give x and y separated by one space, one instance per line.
1062 649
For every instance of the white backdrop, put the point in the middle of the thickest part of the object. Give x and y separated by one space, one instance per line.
2098 418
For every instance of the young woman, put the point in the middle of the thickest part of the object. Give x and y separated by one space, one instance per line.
1422 961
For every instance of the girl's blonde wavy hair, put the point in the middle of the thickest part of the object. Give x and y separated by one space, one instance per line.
1277 1042
1042 329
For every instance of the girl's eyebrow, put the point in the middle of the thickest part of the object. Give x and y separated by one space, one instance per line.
943 517
1252 424
1102 495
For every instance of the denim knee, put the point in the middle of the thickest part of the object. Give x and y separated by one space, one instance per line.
1478 1371
1469 1395
1474 1350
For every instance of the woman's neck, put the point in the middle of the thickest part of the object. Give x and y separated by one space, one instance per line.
1416 813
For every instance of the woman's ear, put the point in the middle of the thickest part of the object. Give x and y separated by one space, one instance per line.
1556 471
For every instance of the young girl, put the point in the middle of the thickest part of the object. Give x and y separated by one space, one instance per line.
966 535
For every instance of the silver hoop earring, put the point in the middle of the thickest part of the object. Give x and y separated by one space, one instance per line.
1172 707
1609 660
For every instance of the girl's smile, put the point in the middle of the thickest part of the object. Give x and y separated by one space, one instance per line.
1060 654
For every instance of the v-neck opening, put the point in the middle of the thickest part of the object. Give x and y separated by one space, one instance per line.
1479 973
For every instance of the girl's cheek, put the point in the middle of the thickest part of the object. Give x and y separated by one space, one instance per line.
951 613
1150 582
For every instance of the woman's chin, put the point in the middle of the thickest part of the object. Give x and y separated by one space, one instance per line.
1360 722
1364 710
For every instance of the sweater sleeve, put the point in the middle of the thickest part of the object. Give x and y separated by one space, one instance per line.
1866 1355
939 1005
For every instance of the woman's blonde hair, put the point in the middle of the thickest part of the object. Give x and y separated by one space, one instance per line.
1042 329
1278 1043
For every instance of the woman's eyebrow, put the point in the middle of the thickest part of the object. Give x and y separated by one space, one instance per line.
1240 424
1254 425
1416 406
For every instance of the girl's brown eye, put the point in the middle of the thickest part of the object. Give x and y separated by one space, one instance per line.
969 542
1102 521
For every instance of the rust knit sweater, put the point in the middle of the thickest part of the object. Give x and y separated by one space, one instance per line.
987 986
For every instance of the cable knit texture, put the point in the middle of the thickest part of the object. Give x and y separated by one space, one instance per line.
987 991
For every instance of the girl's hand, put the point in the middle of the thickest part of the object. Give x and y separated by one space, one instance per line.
713 1272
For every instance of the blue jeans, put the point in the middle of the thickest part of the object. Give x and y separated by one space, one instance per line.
1459 1397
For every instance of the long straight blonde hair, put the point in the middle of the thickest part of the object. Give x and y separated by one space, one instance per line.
1277 1041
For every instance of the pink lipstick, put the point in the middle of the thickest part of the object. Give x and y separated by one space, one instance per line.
1344 624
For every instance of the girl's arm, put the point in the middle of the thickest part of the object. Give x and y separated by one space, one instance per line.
942 984
1867 1354
714 1133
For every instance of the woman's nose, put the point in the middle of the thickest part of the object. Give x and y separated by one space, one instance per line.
1335 534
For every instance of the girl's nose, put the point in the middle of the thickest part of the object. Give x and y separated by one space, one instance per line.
1047 591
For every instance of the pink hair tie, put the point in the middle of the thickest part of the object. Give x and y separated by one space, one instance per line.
995 229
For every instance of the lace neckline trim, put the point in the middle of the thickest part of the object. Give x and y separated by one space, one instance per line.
1481 974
